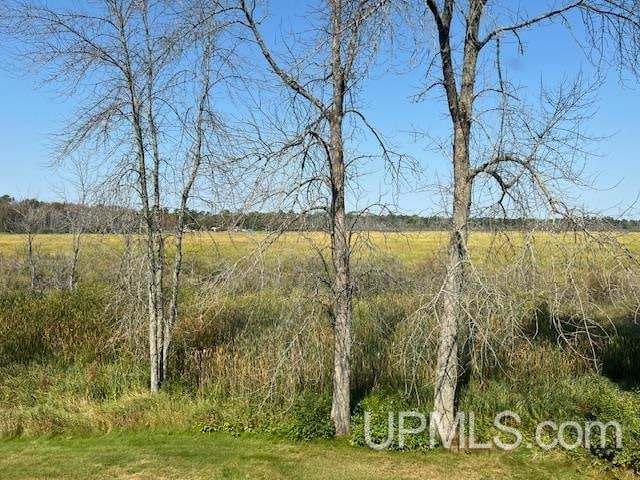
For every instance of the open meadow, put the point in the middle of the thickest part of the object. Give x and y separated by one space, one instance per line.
411 247
252 350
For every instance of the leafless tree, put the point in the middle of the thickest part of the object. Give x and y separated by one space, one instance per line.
533 154
31 219
323 82
76 213
143 71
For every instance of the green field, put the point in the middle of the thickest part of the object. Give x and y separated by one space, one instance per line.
219 456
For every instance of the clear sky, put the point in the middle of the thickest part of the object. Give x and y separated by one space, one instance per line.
31 114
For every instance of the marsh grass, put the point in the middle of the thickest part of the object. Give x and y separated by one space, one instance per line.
548 314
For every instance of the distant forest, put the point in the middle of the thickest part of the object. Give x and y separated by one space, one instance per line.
35 216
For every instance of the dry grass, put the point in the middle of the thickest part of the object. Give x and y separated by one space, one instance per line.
407 246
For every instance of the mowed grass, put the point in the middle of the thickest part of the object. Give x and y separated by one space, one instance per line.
212 456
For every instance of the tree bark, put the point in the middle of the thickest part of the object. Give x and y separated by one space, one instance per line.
73 273
448 349
341 404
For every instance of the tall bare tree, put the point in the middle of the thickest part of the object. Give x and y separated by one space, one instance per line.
324 79
466 30
143 72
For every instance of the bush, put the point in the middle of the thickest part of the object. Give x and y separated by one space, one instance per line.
379 404
310 418
603 401
621 355
588 398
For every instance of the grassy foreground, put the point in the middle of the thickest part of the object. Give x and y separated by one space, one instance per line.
212 456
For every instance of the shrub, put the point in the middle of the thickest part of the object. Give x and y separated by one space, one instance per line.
379 404
310 418
600 400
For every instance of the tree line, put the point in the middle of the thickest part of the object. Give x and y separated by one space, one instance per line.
44 217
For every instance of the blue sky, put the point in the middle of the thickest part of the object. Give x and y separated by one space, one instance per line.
31 114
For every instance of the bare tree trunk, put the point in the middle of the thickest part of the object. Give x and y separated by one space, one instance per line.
516 167
76 216
341 403
31 222
345 35
154 373
447 367
148 212
158 238
155 310
31 260
173 306
170 321
73 273
150 201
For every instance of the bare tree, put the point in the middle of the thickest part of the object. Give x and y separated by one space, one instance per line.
144 71
465 30
323 81
30 220
76 214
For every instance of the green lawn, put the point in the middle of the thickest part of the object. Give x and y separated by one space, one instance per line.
200 456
